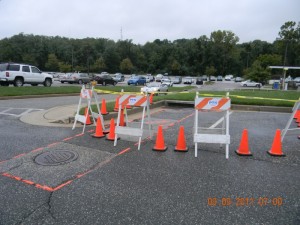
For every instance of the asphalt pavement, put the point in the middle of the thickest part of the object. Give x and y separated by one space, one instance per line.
106 184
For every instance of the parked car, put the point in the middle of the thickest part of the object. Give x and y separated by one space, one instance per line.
199 80
177 80
154 88
158 77
204 78
212 78
238 79
105 79
76 78
228 77
167 82
297 81
119 77
249 83
188 80
149 78
219 78
137 80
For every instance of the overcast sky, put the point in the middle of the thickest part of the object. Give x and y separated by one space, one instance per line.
147 20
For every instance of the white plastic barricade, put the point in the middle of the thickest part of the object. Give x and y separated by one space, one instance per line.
88 95
212 134
287 127
134 101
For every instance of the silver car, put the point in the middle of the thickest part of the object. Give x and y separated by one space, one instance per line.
155 88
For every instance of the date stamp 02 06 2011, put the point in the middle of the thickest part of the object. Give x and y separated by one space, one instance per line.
260 201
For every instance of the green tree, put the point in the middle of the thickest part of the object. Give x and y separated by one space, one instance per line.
175 67
126 66
65 68
52 63
99 65
210 70
258 73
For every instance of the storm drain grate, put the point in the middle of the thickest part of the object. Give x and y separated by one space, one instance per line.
54 158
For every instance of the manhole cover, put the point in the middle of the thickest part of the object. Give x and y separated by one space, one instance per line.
54 158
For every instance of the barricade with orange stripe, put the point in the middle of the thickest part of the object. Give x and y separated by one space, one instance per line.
212 134
88 95
134 101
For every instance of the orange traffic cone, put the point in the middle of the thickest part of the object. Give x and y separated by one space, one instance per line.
297 114
160 142
243 149
87 116
103 107
99 130
112 134
122 121
276 149
116 108
181 143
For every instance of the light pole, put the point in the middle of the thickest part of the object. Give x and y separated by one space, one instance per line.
284 69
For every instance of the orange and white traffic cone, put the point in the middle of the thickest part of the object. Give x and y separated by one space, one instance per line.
122 120
276 149
116 108
243 149
99 130
181 143
160 142
103 107
112 134
87 116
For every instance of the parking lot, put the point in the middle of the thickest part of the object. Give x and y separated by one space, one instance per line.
104 184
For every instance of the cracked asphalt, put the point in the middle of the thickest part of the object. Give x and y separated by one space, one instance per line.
123 185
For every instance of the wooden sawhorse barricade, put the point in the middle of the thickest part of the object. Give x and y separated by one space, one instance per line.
212 135
134 101
88 95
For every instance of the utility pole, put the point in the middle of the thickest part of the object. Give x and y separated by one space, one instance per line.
121 34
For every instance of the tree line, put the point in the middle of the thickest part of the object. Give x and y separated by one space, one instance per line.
218 54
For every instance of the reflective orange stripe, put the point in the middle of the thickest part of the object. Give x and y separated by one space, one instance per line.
203 103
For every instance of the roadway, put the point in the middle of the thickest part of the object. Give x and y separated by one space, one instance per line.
121 185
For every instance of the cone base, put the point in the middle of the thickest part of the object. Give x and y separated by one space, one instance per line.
160 149
106 131
243 154
111 139
104 113
181 149
275 154
97 136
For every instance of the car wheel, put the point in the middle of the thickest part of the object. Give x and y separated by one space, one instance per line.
258 85
80 82
18 82
62 82
136 83
115 83
245 85
47 83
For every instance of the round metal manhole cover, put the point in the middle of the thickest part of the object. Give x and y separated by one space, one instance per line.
54 158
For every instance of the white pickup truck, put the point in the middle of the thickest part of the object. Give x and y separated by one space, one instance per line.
20 74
